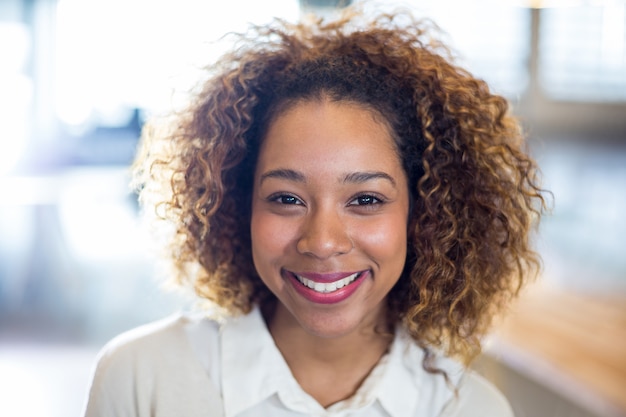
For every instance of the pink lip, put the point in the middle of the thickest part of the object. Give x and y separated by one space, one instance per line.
327 298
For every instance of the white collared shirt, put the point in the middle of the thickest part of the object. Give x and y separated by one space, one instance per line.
194 367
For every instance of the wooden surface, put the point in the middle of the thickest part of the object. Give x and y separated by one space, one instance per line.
574 342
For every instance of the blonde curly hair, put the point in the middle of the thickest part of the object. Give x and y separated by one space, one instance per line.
474 190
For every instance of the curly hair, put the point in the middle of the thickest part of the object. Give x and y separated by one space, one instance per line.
474 190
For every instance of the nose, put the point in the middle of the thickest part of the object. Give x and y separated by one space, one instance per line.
324 235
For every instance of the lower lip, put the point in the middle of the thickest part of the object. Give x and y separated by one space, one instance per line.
327 298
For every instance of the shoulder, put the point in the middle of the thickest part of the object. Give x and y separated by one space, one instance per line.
151 363
477 397
474 396
151 342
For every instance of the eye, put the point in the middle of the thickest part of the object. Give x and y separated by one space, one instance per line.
365 200
286 199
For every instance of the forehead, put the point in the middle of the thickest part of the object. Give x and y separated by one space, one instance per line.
329 135
325 99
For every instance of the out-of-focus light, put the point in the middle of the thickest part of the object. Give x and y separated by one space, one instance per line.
94 211
142 54
540 4
19 386
44 380
14 103
15 94
75 112
613 35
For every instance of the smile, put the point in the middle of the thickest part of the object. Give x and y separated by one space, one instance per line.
327 287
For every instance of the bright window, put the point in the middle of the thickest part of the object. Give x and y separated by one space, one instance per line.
492 38
116 54
583 52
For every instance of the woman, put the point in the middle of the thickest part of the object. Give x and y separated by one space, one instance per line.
357 206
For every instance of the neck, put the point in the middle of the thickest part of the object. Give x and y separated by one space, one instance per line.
329 369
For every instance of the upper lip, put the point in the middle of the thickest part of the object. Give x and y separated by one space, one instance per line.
325 277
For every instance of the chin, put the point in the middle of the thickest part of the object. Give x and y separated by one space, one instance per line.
333 324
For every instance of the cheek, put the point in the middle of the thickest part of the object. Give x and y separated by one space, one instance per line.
386 241
270 239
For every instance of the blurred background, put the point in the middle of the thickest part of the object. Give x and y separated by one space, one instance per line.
78 78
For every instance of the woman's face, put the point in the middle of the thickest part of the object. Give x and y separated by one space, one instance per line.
329 216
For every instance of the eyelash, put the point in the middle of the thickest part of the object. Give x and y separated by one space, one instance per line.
280 199
360 200
373 200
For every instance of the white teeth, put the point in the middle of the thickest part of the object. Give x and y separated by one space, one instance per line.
327 287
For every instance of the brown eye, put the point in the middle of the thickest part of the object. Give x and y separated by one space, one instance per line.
365 200
286 199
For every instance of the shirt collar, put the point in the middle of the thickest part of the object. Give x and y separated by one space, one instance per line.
403 388
407 389
399 389
246 343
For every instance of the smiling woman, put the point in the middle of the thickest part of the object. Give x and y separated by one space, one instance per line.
358 207
342 216
329 241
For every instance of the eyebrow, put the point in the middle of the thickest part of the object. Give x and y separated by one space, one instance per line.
354 177
361 177
285 174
